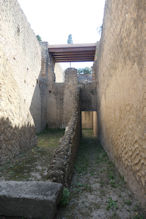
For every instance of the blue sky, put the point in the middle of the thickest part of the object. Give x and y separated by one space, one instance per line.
54 20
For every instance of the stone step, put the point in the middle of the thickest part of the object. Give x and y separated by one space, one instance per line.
31 199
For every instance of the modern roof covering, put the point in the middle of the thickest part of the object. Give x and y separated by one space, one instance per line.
73 52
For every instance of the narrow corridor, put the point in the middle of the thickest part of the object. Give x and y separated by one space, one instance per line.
97 189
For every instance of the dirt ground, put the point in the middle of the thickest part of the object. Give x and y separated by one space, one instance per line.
33 164
97 189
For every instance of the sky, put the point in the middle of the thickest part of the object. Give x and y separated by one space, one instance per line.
54 20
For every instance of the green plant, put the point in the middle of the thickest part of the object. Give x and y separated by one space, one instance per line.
83 187
65 197
81 165
85 70
138 217
128 202
69 39
111 204
39 38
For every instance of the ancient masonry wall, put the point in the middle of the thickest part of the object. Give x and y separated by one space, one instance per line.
70 89
120 90
20 65
61 100
61 167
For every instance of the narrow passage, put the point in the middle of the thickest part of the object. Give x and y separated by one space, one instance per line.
97 189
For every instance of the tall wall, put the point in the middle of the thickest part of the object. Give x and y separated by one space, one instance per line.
120 89
55 99
20 65
70 97
61 99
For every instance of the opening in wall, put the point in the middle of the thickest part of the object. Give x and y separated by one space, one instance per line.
89 121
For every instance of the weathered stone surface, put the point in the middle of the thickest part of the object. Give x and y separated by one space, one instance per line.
29 199
88 97
70 94
61 167
121 90
61 98
20 64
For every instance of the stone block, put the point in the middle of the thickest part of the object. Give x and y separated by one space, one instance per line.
29 199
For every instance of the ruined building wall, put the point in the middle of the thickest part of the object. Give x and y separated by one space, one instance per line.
61 100
70 89
62 164
120 90
20 65
55 98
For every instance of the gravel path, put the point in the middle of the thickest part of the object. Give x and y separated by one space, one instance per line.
97 189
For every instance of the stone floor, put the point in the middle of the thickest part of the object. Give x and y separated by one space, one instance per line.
97 189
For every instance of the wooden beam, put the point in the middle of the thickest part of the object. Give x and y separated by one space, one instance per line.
72 52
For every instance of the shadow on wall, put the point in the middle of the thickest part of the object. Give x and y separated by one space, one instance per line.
15 139
38 108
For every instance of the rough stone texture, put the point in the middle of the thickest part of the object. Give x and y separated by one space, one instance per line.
29 199
61 100
120 89
70 90
55 106
61 167
20 63
84 78
43 83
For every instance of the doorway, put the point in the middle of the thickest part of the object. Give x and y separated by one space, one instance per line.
89 121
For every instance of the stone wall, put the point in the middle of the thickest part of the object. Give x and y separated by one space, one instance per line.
61 167
20 65
120 90
61 99
55 98
88 98
70 89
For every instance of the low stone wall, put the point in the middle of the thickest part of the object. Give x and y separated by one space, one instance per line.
61 167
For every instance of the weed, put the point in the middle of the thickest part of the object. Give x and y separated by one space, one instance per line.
115 216
102 183
113 183
92 173
138 217
136 207
101 157
128 202
111 204
65 197
102 192
81 166
83 187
